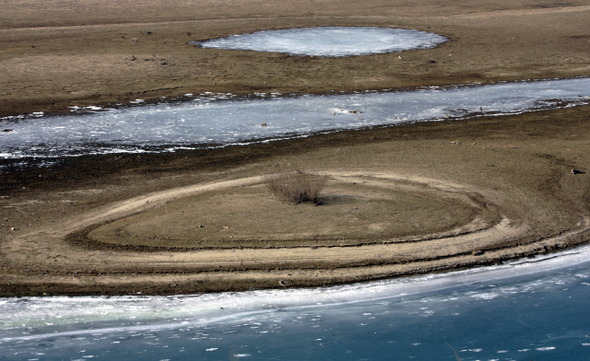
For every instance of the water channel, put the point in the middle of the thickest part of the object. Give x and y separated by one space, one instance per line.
221 119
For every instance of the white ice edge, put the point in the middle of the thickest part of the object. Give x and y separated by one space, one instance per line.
141 313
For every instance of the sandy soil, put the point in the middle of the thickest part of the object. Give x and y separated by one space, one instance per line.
121 224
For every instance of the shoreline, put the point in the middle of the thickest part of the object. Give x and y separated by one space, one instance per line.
510 177
55 266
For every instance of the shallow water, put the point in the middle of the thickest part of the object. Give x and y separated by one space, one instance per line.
531 309
328 41
211 119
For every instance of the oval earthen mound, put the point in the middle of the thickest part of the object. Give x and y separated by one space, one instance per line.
93 253
352 212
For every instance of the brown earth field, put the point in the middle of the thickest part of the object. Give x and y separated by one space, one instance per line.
398 201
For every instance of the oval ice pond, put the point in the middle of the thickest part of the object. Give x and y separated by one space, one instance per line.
328 41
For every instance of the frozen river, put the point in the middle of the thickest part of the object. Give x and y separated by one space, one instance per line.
221 119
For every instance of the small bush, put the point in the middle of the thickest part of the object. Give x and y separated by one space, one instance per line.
295 186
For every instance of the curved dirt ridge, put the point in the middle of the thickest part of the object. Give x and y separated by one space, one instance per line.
69 268
161 224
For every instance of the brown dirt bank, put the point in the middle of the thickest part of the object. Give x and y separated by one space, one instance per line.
518 167
59 53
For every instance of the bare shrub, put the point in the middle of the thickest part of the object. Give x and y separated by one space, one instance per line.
295 186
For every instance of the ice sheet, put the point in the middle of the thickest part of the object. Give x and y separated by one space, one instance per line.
209 120
328 41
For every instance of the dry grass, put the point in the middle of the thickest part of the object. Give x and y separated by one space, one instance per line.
295 186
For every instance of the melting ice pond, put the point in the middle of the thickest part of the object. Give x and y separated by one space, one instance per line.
328 41
223 119
534 309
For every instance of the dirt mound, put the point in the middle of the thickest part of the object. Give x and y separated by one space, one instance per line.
353 211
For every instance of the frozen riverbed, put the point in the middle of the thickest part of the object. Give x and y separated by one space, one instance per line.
212 119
